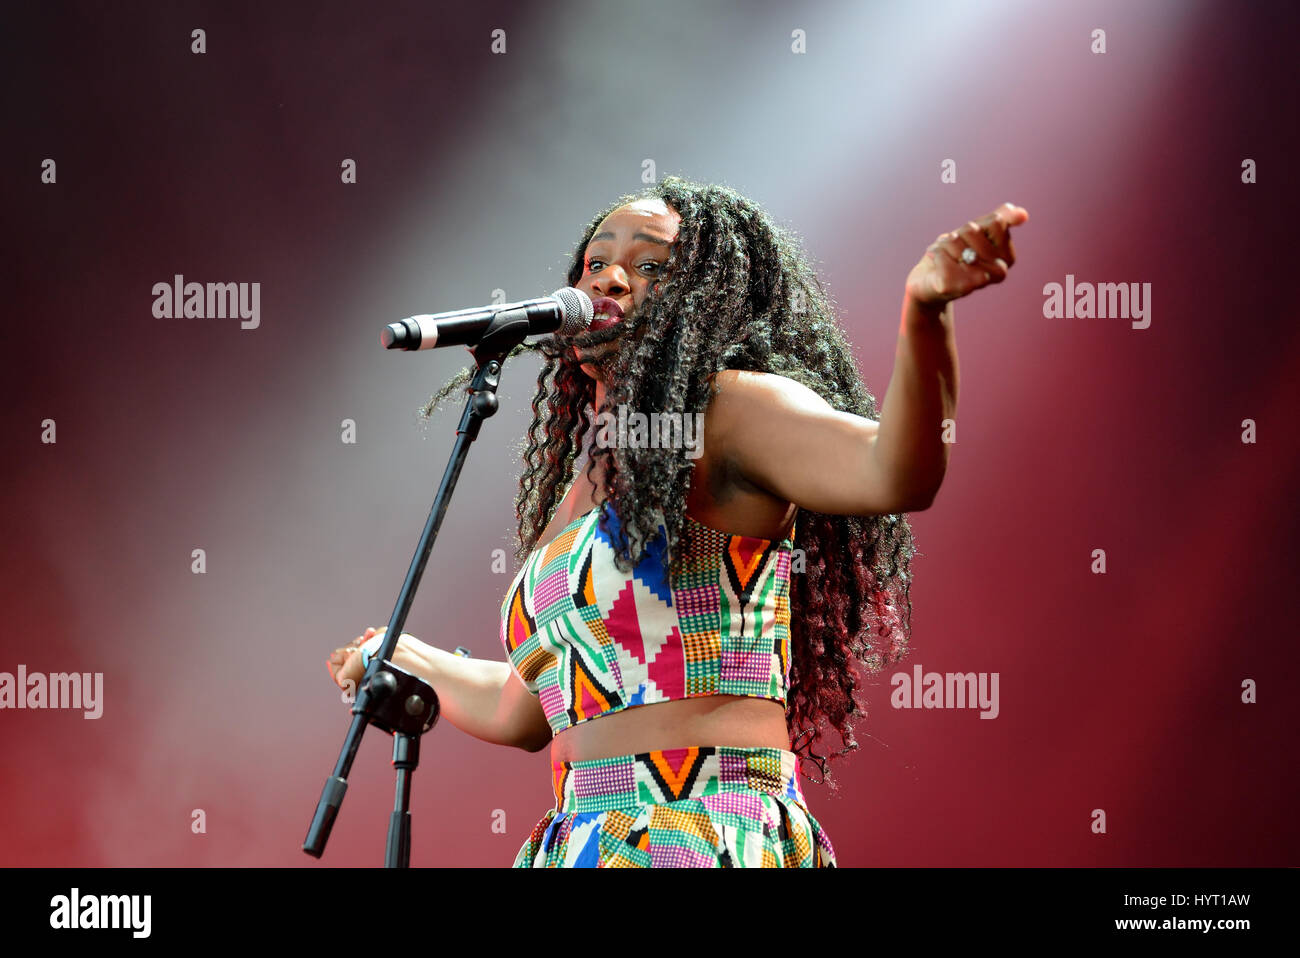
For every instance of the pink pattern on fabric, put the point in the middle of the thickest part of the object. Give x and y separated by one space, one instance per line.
668 668
699 600
745 667
551 589
552 699
735 803
732 767
623 625
615 780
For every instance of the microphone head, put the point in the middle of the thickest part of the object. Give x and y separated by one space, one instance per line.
394 336
577 308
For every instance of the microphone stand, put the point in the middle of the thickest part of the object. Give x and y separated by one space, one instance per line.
391 698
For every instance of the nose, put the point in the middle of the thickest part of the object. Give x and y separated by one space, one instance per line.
611 282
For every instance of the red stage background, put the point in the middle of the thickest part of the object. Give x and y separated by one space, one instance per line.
476 172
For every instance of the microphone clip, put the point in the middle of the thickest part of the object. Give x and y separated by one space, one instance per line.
507 330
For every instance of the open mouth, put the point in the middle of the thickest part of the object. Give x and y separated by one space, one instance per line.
607 313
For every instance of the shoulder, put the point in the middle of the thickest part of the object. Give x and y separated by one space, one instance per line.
782 437
735 390
753 415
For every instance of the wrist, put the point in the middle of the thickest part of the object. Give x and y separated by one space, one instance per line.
925 316
924 309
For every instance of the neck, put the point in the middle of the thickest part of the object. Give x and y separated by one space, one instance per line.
599 401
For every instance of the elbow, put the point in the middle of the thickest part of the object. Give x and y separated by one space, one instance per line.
912 505
918 498
537 744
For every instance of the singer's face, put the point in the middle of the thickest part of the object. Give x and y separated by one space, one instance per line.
625 258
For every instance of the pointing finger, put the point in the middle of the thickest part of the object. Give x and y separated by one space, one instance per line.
1012 215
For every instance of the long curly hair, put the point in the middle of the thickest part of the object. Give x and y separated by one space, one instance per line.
737 292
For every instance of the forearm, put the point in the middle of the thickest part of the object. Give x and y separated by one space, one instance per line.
469 692
922 393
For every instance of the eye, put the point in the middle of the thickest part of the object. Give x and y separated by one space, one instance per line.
591 268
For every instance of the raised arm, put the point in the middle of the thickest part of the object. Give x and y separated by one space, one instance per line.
787 439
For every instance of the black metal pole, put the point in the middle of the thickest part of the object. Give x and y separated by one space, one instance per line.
389 697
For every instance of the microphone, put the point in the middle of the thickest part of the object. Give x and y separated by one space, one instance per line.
569 310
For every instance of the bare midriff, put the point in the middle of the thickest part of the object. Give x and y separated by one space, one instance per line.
739 721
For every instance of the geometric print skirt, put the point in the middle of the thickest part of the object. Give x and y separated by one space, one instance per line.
704 807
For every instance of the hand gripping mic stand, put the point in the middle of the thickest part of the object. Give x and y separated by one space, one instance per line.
392 698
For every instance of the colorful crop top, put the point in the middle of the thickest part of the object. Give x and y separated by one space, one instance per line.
588 639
